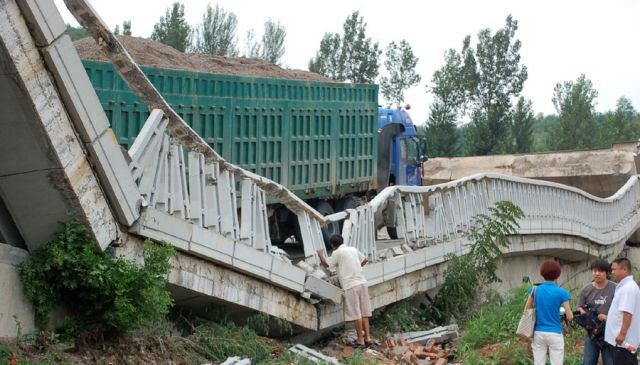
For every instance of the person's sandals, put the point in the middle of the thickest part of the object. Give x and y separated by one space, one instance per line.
357 345
370 343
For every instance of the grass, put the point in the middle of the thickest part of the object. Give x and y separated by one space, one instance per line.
489 338
221 342
398 317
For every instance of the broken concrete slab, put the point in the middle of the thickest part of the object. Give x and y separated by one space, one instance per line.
236 360
323 289
312 354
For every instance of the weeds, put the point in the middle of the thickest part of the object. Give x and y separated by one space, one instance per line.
266 325
397 317
221 342
467 275
496 321
106 293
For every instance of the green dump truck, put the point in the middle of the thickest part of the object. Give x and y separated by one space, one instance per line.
317 138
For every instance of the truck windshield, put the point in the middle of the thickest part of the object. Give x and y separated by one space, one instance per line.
409 147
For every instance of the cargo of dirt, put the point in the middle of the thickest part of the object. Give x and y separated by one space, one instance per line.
150 53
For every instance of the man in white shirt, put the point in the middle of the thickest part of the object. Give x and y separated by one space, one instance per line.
623 319
348 261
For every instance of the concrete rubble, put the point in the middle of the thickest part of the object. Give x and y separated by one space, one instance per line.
236 360
434 346
312 354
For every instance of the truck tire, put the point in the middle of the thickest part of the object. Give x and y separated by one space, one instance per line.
392 232
324 208
343 204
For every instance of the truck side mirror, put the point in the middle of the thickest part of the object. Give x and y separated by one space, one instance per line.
423 150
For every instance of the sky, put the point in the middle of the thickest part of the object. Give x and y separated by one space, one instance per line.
560 39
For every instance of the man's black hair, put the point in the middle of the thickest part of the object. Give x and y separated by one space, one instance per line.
336 240
624 262
601 265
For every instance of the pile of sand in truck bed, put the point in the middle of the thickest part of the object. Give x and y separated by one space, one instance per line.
155 54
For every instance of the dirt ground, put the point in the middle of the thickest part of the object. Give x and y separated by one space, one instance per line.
155 54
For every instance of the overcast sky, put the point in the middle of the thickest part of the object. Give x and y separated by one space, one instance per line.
560 39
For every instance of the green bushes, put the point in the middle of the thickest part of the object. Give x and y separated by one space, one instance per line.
102 292
466 276
398 317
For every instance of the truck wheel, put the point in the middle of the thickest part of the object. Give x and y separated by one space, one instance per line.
343 204
392 232
324 208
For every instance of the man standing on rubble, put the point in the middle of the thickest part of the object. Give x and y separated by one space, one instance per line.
348 262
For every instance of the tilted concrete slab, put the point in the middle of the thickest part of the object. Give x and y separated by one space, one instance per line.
50 179
83 107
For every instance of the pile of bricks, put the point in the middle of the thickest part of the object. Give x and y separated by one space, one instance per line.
432 347
401 352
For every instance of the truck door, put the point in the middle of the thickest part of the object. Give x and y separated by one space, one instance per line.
410 169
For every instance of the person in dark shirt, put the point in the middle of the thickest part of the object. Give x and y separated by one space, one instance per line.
595 300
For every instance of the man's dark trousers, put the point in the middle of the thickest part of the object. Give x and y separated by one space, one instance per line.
623 357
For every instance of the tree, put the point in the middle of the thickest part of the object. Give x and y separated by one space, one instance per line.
576 126
467 277
217 33
493 77
441 134
173 29
76 32
522 126
618 125
126 27
351 56
401 65
252 48
328 59
449 98
273 41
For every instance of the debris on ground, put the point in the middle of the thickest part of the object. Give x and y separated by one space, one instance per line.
439 334
432 347
313 355
236 360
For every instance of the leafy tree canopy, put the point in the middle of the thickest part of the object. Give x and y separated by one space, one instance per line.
351 56
173 29
401 65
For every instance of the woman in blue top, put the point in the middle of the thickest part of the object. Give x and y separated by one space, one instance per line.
548 298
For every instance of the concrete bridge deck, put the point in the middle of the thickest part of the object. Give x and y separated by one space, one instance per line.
60 160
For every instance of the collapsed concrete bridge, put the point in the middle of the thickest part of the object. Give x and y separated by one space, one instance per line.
60 160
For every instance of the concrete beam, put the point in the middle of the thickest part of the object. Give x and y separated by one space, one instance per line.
599 172
50 180
210 283
83 106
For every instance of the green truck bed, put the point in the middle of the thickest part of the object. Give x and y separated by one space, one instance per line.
318 139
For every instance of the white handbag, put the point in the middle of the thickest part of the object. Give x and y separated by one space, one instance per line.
528 319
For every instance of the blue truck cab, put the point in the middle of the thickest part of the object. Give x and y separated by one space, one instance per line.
401 149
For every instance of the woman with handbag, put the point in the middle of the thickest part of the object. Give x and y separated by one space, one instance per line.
545 300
